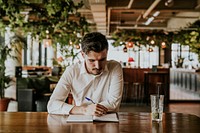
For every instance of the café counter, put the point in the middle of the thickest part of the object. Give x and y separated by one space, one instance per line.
187 80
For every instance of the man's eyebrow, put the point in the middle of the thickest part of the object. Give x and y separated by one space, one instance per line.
103 58
99 59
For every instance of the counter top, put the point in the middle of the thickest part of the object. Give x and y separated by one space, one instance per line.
185 70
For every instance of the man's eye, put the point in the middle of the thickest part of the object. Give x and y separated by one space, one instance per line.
103 59
91 60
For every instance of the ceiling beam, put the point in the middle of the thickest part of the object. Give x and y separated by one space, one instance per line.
148 11
98 9
116 8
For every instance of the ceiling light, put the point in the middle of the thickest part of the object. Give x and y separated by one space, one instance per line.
156 13
130 44
169 3
125 49
47 42
163 45
150 49
130 59
152 42
149 21
152 18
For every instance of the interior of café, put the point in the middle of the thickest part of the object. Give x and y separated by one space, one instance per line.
157 43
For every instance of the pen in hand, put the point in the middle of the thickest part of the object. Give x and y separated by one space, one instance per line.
100 109
89 100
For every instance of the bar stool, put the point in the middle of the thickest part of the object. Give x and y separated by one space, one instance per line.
125 92
161 89
141 93
137 93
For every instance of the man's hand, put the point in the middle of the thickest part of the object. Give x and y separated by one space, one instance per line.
92 109
95 109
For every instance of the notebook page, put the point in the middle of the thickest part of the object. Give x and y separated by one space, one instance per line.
79 118
112 117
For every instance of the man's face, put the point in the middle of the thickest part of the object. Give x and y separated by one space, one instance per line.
95 62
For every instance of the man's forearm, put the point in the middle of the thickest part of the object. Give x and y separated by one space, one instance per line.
92 109
77 110
58 107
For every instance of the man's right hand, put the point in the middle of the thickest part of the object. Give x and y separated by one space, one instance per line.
92 109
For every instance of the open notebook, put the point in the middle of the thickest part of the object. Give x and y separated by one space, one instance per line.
112 117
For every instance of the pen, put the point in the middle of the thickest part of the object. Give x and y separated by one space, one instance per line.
89 100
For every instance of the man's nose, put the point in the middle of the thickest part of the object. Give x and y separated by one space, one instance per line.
97 64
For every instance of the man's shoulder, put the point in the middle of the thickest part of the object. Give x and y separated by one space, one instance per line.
77 65
113 63
74 67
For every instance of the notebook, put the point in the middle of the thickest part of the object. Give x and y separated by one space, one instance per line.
111 117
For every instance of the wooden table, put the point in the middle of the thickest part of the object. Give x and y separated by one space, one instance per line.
42 122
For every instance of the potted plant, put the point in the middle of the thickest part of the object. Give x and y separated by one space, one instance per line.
4 80
7 52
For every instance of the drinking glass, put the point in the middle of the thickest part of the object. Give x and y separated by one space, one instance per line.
157 104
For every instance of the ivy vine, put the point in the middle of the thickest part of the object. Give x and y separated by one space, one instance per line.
189 36
59 17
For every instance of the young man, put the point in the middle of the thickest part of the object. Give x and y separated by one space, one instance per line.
96 84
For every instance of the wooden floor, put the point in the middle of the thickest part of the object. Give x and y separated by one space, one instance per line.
176 107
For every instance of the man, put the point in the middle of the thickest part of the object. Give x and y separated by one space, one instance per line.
96 84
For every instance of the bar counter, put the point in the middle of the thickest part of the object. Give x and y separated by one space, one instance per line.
187 80
42 122
139 83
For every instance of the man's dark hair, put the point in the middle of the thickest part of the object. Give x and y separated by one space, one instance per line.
94 41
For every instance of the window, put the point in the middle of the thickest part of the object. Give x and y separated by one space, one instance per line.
143 56
183 57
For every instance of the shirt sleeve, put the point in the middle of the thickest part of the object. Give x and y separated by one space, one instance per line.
57 104
115 90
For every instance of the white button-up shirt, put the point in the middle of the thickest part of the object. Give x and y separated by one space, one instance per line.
105 89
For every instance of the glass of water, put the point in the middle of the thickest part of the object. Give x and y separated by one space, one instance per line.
157 104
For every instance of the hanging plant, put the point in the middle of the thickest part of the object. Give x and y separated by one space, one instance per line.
189 36
60 17
140 38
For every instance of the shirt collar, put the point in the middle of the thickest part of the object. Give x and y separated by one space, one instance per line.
83 69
